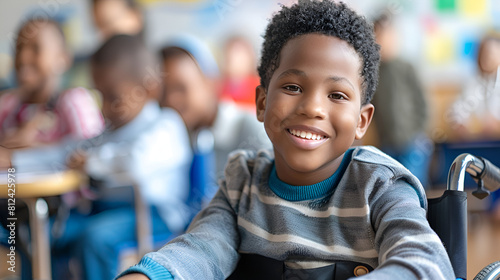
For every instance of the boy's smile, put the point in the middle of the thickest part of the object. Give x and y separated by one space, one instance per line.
306 137
312 109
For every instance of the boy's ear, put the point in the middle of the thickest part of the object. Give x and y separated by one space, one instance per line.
365 118
260 102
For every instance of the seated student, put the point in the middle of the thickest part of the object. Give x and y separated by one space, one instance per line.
315 203
240 73
37 111
144 144
189 88
114 17
109 17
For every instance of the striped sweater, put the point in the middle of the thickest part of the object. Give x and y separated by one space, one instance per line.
372 210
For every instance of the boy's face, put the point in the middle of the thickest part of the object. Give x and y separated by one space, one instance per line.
40 56
122 98
188 91
312 108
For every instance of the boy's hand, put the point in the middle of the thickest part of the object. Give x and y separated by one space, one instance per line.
5 158
77 160
134 276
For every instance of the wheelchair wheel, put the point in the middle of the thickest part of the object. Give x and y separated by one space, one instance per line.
491 272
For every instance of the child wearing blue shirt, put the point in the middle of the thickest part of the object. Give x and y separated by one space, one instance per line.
314 205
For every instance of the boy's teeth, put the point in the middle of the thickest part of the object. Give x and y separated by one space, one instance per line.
305 135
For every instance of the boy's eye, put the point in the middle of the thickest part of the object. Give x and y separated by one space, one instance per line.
337 95
292 88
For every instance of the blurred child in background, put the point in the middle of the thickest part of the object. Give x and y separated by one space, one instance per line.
144 145
147 144
189 87
38 111
240 73
402 111
112 17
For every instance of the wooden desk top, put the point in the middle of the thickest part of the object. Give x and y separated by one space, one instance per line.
41 185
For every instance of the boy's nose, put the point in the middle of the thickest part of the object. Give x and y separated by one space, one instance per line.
313 106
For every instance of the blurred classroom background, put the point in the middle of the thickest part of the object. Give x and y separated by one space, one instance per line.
440 38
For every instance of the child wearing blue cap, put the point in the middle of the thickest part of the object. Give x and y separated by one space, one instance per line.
314 208
216 128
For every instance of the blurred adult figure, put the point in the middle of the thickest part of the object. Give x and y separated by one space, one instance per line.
401 113
475 115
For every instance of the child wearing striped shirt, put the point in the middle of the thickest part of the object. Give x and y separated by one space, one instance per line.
37 112
314 207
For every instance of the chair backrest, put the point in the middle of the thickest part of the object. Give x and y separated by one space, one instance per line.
447 216
202 181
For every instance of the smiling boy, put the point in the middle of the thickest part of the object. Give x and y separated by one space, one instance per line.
315 208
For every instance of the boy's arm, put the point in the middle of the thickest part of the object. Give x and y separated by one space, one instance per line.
408 247
207 251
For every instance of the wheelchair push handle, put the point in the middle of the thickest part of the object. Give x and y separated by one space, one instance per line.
490 176
486 174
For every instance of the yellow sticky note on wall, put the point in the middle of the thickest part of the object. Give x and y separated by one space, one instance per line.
439 48
473 8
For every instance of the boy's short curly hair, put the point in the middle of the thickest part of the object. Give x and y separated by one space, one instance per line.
323 17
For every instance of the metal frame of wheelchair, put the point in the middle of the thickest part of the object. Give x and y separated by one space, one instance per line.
447 214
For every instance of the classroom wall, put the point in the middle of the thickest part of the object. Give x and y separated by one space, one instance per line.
440 37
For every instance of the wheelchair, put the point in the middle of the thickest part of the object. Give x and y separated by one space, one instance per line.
447 216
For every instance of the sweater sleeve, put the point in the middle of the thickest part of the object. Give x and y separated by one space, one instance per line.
208 250
408 247
150 268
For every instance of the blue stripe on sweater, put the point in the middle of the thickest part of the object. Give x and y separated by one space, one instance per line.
150 268
315 191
